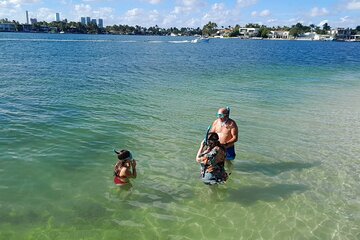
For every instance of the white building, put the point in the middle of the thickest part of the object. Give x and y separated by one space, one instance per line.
248 32
354 38
308 36
279 35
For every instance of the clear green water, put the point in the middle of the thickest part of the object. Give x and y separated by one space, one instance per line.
67 100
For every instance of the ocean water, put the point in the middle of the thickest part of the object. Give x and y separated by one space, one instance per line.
66 101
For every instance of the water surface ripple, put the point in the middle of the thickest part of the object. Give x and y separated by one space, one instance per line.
67 101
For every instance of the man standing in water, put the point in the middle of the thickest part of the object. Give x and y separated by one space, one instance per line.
227 130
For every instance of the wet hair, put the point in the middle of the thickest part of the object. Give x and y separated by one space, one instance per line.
123 154
213 136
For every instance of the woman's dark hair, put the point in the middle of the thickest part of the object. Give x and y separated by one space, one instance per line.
123 154
213 136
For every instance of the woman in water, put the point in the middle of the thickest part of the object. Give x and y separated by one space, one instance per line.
211 156
125 168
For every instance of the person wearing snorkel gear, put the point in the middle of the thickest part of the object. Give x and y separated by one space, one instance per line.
227 130
211 155
125 168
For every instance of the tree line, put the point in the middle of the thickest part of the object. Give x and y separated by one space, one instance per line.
295 30
209 29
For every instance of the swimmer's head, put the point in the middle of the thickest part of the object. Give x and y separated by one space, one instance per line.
123 155
213 138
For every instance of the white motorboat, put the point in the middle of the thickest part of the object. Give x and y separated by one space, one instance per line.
200 40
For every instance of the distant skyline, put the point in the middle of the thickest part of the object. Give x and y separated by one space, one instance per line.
189 13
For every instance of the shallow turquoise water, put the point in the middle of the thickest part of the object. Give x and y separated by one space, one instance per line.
67 100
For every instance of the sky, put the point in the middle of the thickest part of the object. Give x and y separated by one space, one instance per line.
189 13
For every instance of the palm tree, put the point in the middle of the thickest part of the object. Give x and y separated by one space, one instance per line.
209 29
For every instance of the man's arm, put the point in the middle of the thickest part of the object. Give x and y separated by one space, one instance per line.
234 136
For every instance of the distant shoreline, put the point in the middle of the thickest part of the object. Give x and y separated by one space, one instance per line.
191 36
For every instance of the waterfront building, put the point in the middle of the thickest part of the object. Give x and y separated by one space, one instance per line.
88 20
324 37
279 35
101 23
342 33
93 21
57 17
7 27
308 36
354 38
248 32
223 33
83 20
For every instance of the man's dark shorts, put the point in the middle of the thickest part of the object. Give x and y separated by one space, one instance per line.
230 153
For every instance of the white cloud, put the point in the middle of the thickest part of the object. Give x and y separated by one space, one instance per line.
155 1
263 13
91 0
218 7
295 20
45 14
315 12
189 6
182 10
12 10
104 12
3 4
344 19
322 23
153 17
16 3
192 3
83 9
20 2
8 12
169 20
138 16
272 20
219 14
353 5
246 3
134 13
182 13
193 22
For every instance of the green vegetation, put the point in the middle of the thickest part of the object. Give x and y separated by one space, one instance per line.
209 29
